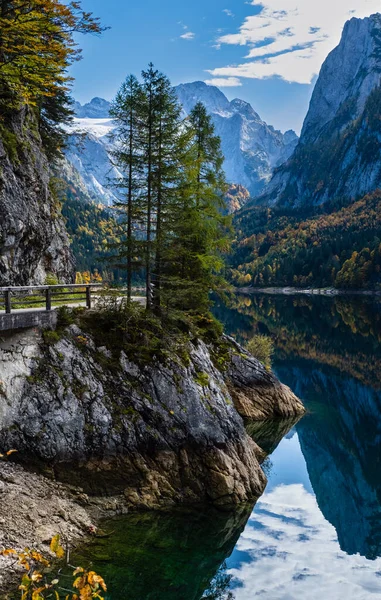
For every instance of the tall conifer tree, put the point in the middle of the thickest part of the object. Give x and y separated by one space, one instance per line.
127 110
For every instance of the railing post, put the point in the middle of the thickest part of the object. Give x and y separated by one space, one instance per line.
48 295
88 296
7 302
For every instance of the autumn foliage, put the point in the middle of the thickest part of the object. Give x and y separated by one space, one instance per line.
37 46
340 247
37 585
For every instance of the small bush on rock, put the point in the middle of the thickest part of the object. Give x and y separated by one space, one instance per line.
262 348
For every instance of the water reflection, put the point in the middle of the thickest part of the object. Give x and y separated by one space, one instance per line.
157 556
289 551
341 443
316 532
343 332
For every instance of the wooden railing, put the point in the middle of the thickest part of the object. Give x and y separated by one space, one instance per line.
13 298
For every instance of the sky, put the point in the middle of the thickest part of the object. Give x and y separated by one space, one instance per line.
267 52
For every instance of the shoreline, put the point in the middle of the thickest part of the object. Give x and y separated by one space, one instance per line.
291 291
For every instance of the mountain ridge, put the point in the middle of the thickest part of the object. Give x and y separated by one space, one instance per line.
252 148
337 156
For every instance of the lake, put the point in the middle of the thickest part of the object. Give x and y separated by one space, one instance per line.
316 531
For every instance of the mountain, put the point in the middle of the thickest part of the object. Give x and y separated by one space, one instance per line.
96 109
33 240
339 152
88 152
252 148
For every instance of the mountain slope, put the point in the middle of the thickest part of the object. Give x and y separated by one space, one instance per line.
252 148
340 249
339 152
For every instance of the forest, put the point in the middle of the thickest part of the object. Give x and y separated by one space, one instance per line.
340 247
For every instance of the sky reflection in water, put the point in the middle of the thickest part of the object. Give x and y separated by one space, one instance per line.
289 551
316 532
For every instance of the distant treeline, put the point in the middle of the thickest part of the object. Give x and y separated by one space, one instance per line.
340 248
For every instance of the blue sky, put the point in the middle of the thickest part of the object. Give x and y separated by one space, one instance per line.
267 52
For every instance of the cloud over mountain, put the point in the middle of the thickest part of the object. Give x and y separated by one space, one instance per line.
290 38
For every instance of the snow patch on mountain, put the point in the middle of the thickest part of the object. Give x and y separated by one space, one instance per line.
252 149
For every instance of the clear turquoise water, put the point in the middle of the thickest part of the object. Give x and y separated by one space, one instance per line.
316 531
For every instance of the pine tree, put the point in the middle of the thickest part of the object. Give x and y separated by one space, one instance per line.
128 112
171 143
172 174
201 230
150 83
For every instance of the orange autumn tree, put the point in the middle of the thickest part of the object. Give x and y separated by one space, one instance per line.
37 47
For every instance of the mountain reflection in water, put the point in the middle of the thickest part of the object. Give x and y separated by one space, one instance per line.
316 532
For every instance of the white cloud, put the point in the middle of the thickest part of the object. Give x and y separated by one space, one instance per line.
228 12
292 553
189 35
291 38
224 82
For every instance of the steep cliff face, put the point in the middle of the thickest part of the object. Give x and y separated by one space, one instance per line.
339 152
33 239
162 433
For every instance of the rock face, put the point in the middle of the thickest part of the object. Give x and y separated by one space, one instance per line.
33 240
236 197
257 393
252 149
338 155
162 433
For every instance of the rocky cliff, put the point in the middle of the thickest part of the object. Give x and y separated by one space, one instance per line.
338 155
162 433
33 239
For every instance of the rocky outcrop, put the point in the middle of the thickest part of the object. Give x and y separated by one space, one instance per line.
160 433
257 393
338 155
33 239
236 197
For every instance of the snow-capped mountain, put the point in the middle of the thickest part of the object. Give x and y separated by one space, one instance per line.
339 152
252 148
88 150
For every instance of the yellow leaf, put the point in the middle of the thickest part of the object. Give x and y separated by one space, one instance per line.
79 582
95 579
7 552
56 547
11 452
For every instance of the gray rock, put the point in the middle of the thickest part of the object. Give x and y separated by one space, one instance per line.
338 155
33 239
160 434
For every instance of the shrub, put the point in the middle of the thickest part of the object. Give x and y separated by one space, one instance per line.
51 279
262 348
